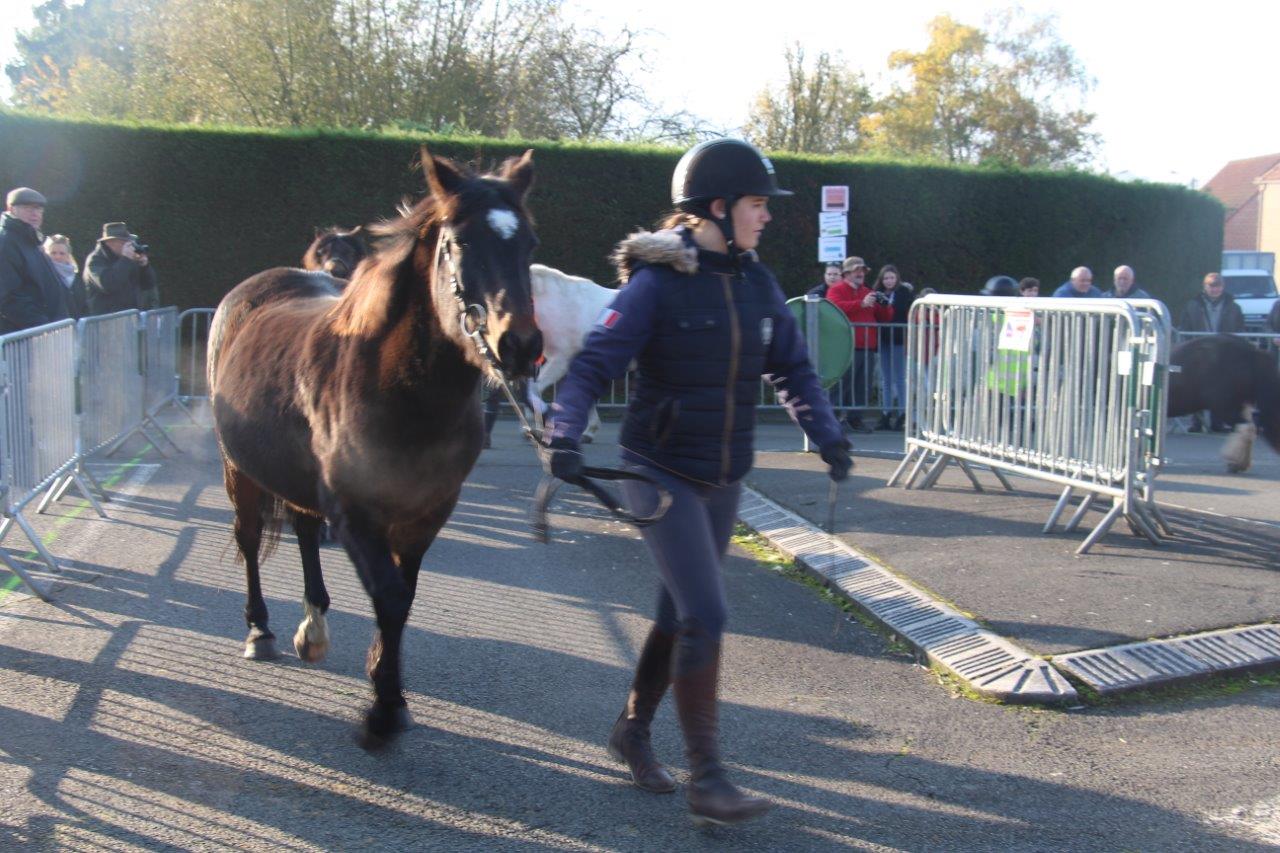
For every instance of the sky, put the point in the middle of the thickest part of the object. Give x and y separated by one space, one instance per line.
1177 94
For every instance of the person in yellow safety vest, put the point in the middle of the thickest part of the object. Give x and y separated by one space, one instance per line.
1010 370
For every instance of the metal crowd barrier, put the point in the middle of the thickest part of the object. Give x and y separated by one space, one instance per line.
39 442
1070 391
193 340
159 330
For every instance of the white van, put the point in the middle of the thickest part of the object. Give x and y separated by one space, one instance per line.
1255 293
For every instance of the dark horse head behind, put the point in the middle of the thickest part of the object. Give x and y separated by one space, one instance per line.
336 251
363 408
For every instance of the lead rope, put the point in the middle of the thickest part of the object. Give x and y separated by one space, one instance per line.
473 318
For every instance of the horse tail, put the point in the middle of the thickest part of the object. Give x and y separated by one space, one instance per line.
273 514
1266 393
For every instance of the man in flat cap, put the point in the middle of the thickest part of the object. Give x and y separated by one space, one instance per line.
31 292
117 275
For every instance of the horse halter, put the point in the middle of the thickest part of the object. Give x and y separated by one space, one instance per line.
473 318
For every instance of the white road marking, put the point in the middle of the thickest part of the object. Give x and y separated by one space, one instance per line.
1260 820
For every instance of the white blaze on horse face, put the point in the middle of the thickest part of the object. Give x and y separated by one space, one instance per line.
504 222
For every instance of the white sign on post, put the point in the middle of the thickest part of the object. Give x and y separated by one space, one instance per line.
830 249
833 224
1017 332
835 199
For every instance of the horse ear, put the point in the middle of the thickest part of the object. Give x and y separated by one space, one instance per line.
319 231
519 173
443 176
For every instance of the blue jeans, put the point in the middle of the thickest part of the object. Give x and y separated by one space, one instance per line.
893 373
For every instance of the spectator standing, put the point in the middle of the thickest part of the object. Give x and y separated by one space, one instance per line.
1079 286
1122 286
831 274
1029 287
117 276
859 303
58 248
31 292
1214 311
893 347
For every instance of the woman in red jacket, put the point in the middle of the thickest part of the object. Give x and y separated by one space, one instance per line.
864 308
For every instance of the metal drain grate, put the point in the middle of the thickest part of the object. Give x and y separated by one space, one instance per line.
1155 662
991 665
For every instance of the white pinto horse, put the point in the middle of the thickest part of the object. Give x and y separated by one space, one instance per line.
565 308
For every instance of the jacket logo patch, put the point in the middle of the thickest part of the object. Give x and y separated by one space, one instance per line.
766 331
608 318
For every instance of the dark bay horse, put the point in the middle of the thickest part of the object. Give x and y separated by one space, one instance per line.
363 408
1224 374
336 251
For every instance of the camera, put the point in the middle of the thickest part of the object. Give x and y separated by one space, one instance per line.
140 247
882 298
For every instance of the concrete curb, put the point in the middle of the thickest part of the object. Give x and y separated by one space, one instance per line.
1161 663
990 665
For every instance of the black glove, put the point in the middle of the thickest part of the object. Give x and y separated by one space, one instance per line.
838 460
565 459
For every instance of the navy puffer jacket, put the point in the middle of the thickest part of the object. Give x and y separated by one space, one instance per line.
702 333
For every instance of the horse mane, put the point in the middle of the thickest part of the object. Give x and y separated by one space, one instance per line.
365 306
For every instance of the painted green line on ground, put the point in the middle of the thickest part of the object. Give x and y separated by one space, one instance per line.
49 538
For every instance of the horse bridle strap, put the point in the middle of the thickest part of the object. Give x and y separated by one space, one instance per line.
473 319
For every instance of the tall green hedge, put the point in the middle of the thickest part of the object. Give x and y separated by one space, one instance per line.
219 205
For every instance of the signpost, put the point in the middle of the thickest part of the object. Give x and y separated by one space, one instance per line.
833 224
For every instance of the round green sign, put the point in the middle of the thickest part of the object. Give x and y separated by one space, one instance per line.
833 353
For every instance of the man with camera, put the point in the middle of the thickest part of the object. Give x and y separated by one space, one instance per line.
118 273
865 308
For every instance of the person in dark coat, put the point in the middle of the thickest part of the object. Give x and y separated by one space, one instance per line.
893 347
58 248
31 292
832 273
704 320
1213 311
118 277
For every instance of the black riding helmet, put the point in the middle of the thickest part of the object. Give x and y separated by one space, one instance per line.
722 168
1000 285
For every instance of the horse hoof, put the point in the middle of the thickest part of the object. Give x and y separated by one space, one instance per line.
586 439
261 647
311 652
381 725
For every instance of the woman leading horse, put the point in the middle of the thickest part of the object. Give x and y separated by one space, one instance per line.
704 320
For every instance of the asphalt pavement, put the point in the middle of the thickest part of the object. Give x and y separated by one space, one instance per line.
129 720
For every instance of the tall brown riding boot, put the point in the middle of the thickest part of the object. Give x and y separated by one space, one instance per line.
713 799
629 740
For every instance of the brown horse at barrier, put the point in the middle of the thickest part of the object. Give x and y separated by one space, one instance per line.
336 252
363 408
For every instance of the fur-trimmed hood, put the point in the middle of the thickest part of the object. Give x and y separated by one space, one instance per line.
655 247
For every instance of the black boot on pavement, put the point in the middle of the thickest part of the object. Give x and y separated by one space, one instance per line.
713 799
629 740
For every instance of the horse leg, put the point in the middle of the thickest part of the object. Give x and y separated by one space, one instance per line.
247 499
311 641
593 425
367 546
